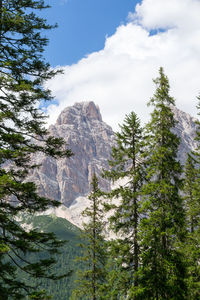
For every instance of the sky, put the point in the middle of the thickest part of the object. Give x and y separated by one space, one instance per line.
110 50
82 27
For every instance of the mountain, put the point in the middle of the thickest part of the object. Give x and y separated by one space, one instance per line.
68 180
91 140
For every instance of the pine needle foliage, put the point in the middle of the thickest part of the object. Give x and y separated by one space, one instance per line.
191 193
23 73
128 172
191 245
94 255
162 272
192 205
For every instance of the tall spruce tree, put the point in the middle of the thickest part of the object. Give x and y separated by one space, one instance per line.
127 168
191 193
162 270
192 205
92 278
23 72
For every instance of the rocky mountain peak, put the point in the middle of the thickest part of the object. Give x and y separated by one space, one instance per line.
79 112
90 140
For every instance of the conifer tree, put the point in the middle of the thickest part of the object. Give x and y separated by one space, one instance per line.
23 73
127 168
192 206
162 271
91 279
192 192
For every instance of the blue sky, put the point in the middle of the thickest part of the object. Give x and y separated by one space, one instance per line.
110 51
83 26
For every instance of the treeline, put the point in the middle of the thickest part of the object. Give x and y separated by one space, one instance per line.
154 213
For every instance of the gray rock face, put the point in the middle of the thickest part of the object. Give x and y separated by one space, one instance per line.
90 139
186 130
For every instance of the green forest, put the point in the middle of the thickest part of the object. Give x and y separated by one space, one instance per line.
155 214
65 260
155 254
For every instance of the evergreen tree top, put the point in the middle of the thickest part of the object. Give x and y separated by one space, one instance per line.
161 96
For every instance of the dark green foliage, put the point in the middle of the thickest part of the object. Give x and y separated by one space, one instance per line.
22 134
65 261
127 164
162 271
192 192
191 245
92 277
192 205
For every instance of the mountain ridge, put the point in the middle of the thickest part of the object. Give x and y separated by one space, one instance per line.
91 141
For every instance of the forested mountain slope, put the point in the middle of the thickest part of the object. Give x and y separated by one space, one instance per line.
64 230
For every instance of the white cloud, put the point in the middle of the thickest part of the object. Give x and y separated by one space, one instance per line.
119 77
154 14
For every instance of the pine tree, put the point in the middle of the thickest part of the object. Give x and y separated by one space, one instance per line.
91 278
192 204
192 192
23 73
162 271
127 168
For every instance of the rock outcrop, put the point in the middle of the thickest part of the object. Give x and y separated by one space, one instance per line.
91 140
186 130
